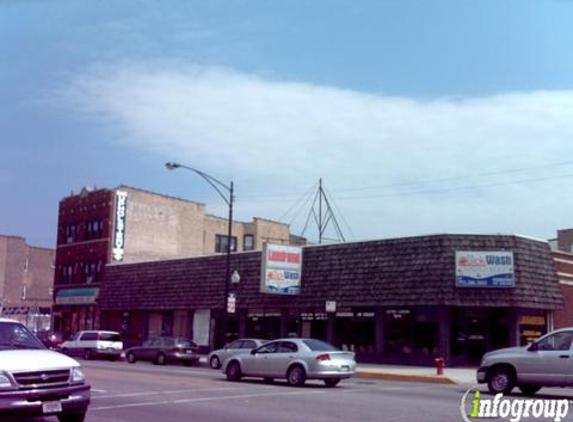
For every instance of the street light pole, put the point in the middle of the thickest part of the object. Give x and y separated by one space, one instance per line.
217 185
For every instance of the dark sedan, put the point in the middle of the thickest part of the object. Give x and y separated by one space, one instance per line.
161 350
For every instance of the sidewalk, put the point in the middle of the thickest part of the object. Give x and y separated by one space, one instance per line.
417 374
410 373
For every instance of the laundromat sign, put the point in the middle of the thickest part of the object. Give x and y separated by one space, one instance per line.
484 269
281 269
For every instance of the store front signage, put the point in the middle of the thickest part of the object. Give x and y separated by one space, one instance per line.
119 233
397 313
532 320
281 269
484 269
330 306
83 296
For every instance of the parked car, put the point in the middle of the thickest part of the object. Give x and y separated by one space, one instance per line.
35 381
217 357
544 363
296 359
161 350
95 343
50 339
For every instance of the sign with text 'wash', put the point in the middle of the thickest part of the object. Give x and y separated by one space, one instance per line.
484 269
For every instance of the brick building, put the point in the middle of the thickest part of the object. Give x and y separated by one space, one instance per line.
125 224
394 300
562 247
26 277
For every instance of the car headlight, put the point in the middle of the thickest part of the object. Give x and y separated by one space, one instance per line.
77 375
5 381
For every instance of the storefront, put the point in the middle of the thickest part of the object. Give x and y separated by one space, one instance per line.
404 300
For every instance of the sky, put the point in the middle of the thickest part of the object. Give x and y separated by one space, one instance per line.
419 117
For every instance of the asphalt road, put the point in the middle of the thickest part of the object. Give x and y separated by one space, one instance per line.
146 393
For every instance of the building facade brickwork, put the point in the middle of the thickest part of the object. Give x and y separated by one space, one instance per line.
26 279
95 228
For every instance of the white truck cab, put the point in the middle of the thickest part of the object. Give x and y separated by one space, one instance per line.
35 381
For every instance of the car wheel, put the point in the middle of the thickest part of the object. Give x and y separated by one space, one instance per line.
331 382
131 357
233 371
72 417
65 351
529 390
502 380
296 376
160 359
214 362
88 354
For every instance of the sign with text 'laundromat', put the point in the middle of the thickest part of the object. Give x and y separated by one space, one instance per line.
281 269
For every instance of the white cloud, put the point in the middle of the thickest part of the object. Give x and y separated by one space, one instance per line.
282 136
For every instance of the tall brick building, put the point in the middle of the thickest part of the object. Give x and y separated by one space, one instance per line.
128 225
26 277
562 247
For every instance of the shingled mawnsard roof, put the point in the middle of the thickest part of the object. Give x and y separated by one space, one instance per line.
413 271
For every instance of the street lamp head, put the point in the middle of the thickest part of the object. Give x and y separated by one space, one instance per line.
172 166
235 277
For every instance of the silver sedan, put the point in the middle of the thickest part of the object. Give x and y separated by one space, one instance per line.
296 359
216 357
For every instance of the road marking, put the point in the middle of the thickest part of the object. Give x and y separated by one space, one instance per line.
163 392
95 390
200 399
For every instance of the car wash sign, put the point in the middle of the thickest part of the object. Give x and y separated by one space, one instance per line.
484 269
281 269
119 232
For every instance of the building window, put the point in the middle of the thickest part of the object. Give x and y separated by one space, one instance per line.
71 234
67 274
221 243
95 229
248 242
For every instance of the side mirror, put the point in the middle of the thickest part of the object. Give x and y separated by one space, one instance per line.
253 352
533 347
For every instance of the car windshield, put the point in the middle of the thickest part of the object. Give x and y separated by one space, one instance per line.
319 346
16 336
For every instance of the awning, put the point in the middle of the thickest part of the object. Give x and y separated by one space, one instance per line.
81 296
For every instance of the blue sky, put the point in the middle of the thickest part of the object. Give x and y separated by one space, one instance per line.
420 116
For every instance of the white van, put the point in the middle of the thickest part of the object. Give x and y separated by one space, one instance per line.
35 381
94 343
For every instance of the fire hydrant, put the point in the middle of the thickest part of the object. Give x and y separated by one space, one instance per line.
439 363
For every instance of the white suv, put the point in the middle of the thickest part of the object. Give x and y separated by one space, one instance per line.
95 343
35 381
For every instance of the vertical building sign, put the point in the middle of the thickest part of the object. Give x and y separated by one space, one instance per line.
281 269
484 269
119 232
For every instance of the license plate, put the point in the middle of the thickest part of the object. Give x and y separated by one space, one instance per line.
51 406
345 368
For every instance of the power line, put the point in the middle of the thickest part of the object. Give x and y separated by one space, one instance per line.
438 190
283 197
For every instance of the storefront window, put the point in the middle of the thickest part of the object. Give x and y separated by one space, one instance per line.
355 330
532 325
412 332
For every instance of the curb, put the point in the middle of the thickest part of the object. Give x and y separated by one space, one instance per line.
436 379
